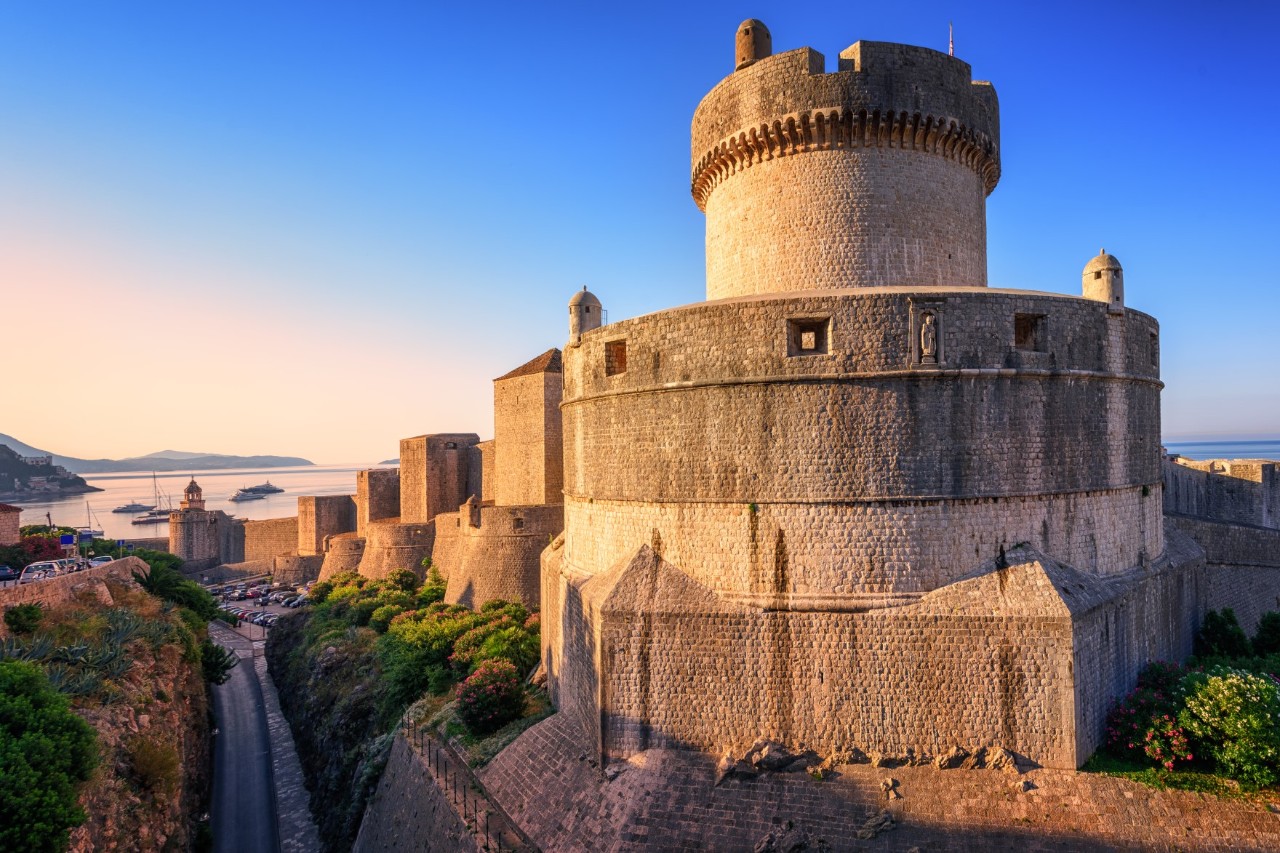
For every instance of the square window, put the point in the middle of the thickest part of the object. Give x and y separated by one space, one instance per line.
808 336
615 357
518 523
1028 332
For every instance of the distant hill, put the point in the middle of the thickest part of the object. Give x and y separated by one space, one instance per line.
164 460
389 462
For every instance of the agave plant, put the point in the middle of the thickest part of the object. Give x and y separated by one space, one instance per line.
105 656
122 626
60 676
37 648
72 654
83 684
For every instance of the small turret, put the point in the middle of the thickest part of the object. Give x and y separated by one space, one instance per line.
753 42
1104 281
192 496
585 314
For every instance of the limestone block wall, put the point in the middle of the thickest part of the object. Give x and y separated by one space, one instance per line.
1027 658
859 470
391 544
528 445
9 526
345 552
377 496
1241 491
434 474
270 538
55 591
446 550
295 569
874 174
497 553
320 516
1233 544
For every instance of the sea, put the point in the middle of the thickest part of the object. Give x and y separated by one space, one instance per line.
94 509
1267 448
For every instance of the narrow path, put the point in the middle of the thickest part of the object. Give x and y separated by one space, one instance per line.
243 812
290 819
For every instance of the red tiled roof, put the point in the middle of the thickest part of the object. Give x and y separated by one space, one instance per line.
548 362
10 508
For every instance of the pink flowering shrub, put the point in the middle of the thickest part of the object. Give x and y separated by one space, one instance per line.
1145 725
490 697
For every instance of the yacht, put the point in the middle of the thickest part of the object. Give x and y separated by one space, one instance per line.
264 489
134 507
155 516
246 495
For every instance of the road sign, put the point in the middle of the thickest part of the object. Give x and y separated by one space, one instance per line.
67 539
119 543
86 537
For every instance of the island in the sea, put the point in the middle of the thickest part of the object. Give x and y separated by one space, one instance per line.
163 460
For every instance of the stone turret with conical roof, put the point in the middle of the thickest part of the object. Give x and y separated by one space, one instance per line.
1103 281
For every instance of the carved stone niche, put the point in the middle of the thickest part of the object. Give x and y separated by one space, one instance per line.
925 336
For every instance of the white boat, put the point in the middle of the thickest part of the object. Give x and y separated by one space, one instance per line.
246 495
264 489
134 507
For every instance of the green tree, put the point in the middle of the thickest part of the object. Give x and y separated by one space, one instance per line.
166 582
23 618
46 753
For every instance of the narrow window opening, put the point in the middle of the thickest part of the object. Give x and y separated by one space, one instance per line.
1097 274
518 524
808 336
615 358
1028 332
451 445
1155 350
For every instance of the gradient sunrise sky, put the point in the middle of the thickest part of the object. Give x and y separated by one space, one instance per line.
314 228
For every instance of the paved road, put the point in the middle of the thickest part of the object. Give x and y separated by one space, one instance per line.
244 807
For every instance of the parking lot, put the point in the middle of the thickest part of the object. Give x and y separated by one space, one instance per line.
258 604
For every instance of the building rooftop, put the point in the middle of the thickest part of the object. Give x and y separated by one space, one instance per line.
548 362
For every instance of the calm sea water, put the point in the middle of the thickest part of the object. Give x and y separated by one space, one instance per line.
1262 449
120 489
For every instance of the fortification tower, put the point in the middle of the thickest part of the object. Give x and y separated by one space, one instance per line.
875 174
192 496
813 469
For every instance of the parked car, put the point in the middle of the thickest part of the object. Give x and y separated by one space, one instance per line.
101 561
39 571
8 574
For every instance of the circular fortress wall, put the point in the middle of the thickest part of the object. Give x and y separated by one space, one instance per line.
876 174
846 447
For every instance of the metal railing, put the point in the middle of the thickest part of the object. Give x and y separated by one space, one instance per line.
489 825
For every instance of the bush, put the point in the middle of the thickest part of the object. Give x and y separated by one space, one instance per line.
403 580
1267 640
1236 717
154 765
320 592
216 662
516 645
491 697
46 752
380 621
433 589
1145 725
1221 635
23 618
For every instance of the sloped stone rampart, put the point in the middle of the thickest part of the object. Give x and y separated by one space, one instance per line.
668 800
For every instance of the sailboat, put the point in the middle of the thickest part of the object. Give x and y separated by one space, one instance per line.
88 529
155 514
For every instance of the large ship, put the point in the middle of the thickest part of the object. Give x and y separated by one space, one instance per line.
264 489
134 507
247 495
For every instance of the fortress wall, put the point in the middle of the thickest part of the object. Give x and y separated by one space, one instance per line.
10 529
846 218
1233 544
391 545
269 538
434 474
1243 571
1236 491
528 463
345 552
293 569
825 551
717 416
205 538
446 550
377 496
409 811
153 544
499 558
321 516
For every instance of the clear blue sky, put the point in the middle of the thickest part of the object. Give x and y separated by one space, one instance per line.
341 220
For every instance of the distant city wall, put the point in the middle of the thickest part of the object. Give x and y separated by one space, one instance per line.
270 537
495 552
1241 491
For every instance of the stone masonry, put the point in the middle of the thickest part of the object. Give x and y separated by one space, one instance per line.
9 525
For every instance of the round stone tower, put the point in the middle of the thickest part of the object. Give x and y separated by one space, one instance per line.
1103 281
585 313
875 174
